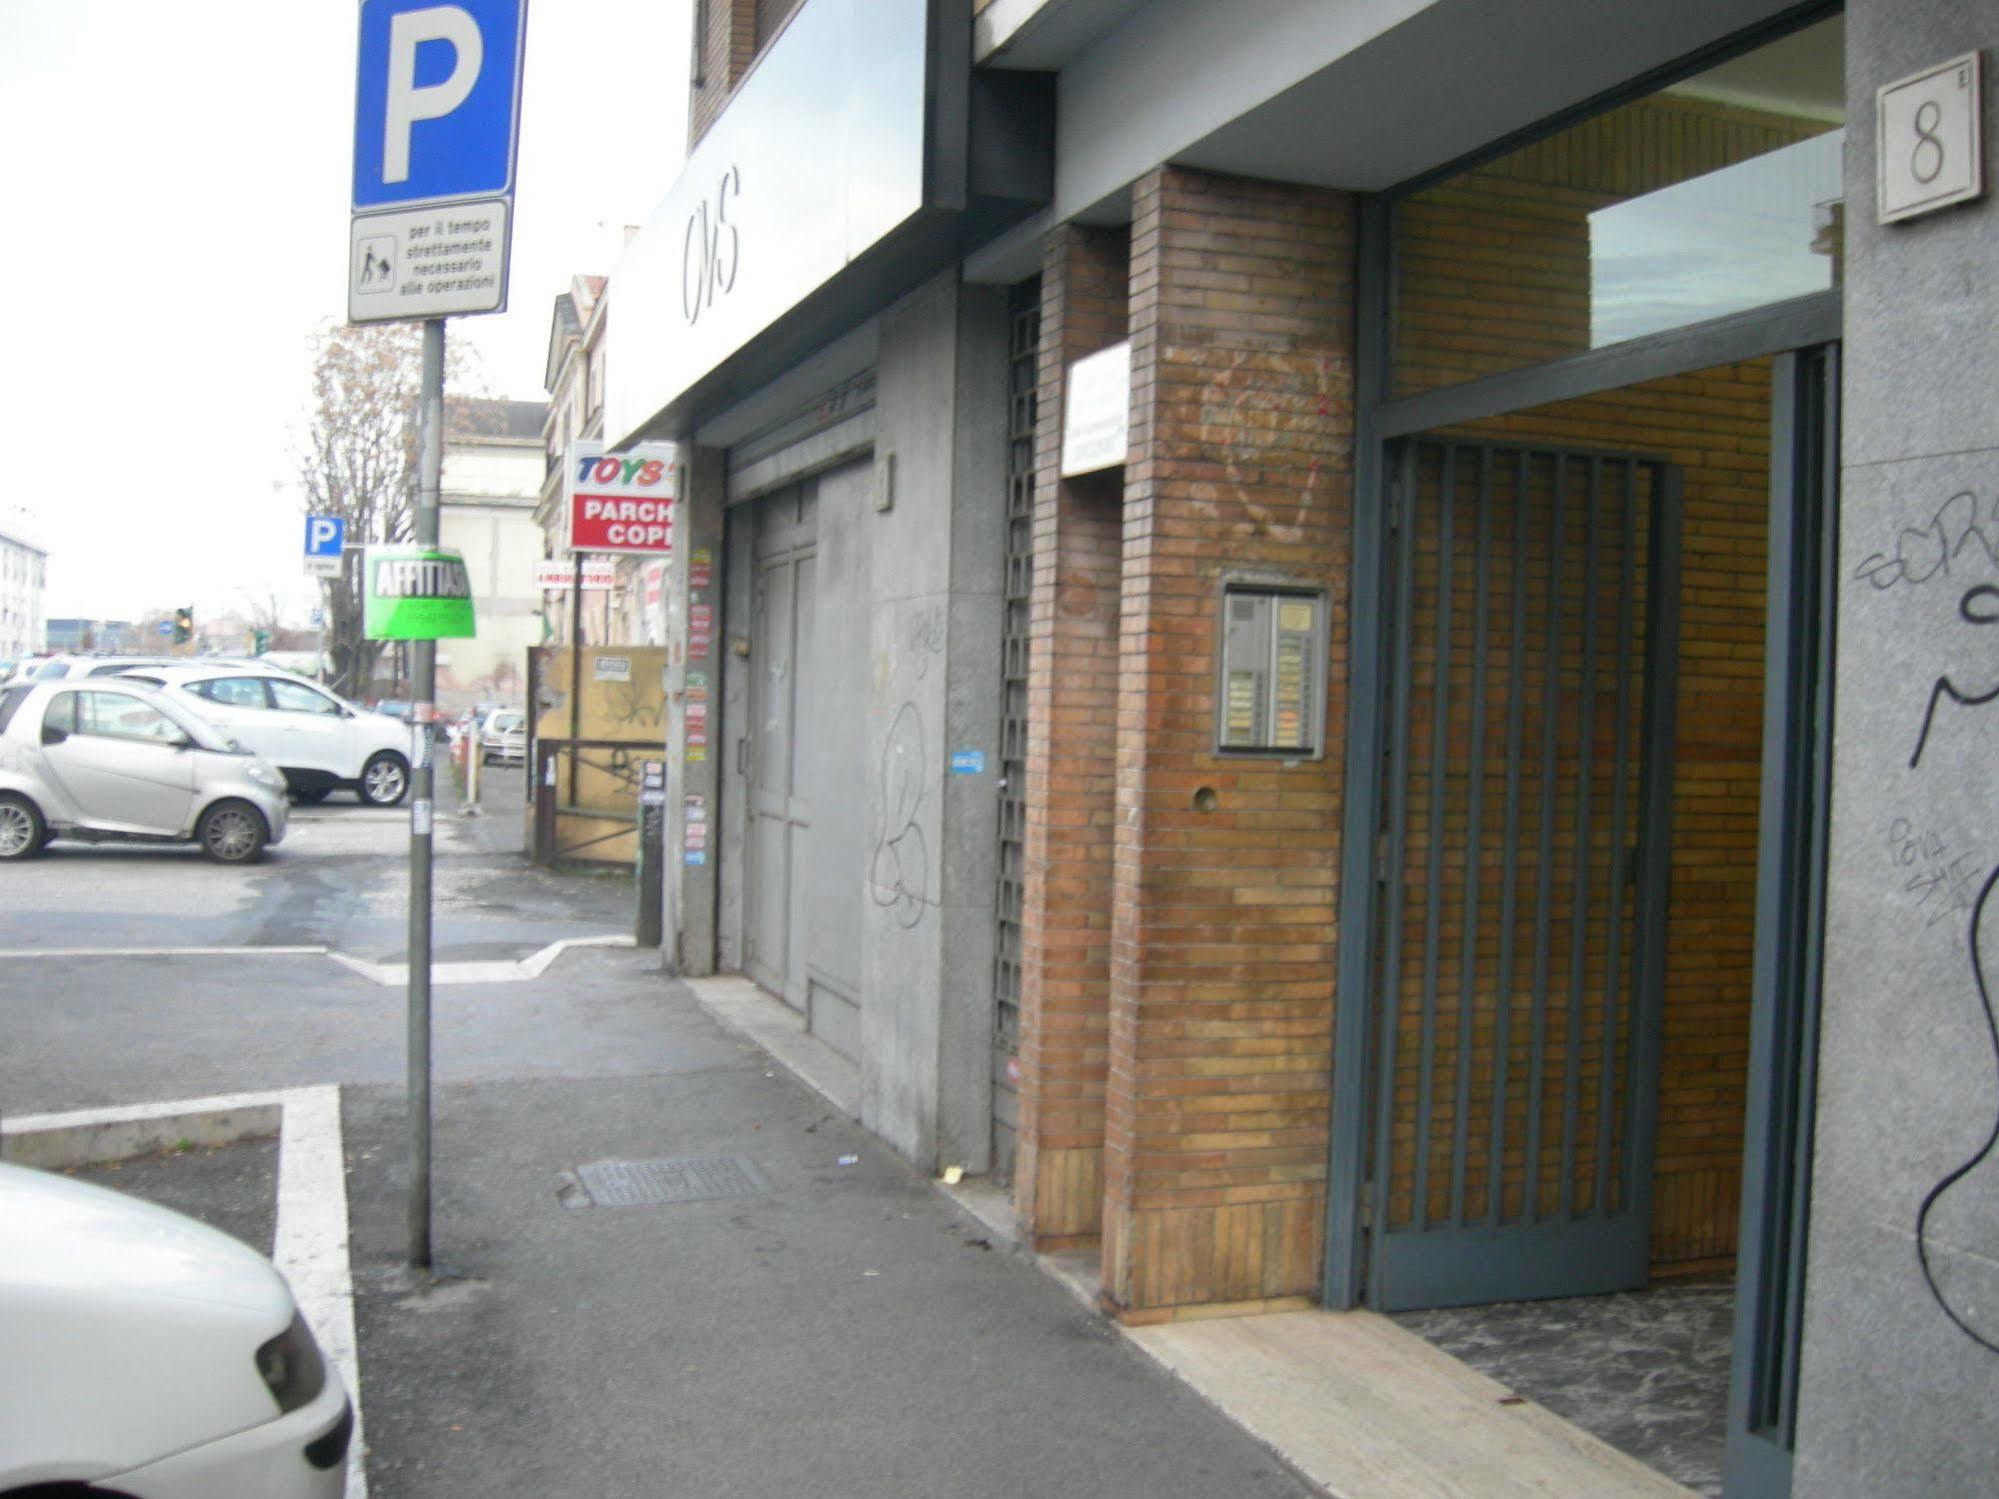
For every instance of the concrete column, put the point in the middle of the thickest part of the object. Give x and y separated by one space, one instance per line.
935 550
1900 1361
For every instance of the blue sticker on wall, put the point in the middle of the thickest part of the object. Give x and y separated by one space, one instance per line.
968 762
695 856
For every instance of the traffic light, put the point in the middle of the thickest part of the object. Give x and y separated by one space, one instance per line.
183 625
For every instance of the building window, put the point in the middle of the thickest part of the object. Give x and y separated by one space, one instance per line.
1715 195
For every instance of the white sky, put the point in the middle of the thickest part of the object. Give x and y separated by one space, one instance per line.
176 184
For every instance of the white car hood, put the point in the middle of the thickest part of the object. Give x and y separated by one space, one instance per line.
57 1234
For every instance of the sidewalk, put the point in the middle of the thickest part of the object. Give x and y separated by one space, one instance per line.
840 1329
1351 1401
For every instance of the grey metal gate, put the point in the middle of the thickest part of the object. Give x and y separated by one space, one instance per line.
779 817
1523 855
1023 350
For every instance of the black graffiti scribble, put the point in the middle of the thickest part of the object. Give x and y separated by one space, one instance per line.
1984 1152
1979 606
899 874
1921 553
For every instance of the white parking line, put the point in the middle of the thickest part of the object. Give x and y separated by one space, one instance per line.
165 952
389 975
309 1241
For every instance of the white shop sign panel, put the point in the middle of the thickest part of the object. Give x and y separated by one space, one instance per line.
769 209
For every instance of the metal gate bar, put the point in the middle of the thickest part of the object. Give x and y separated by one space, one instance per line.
1590 996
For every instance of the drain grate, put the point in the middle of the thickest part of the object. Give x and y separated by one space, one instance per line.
638 1184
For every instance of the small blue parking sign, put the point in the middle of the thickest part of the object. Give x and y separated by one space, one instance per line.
437 101
324 536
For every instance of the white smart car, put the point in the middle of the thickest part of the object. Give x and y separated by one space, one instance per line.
150 1357
321 742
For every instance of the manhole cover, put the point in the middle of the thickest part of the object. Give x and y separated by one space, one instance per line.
636 1184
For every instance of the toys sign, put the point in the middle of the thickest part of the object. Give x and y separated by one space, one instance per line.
622 502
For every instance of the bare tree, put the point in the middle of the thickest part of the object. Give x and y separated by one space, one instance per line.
360 462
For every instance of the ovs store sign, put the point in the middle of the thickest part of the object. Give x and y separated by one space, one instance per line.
622 502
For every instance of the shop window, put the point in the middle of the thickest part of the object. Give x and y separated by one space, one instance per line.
1715 195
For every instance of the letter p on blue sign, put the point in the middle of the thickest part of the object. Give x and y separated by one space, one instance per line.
437 100
324 534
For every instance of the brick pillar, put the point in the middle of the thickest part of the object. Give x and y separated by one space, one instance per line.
1071 751
1223 939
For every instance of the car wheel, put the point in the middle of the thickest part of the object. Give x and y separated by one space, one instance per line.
385 780
22 831
232 833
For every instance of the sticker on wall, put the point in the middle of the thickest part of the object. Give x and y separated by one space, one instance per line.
700 631
968 762
611 668
700 568
695 856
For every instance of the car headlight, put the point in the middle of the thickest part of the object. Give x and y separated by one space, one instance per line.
291 1366
266 774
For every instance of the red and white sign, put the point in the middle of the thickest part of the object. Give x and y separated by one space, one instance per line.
652 579
622 502
558 574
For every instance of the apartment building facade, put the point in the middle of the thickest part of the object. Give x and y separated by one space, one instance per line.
1343 640
23 584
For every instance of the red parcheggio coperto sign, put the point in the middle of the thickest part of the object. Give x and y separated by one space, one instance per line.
622 502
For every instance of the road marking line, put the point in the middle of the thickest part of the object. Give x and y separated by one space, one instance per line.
309 1242
389 975
163 952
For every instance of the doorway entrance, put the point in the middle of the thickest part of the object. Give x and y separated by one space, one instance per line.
1590 998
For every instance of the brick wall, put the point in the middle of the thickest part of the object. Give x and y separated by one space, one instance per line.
1222 971
1071 749
728 47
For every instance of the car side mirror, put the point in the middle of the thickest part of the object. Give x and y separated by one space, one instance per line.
53 735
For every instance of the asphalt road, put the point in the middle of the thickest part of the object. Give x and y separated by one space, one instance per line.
103 1001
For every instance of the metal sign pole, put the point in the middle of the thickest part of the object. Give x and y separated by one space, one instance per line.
430 438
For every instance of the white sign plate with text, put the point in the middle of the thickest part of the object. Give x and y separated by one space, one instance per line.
1096 418
428 262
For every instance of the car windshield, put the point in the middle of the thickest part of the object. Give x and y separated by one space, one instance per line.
200 730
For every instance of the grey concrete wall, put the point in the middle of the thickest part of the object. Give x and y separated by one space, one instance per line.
936 555
1900 1367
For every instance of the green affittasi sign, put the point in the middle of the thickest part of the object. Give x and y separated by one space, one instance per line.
417 593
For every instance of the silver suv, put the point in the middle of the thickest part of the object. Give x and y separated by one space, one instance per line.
104 759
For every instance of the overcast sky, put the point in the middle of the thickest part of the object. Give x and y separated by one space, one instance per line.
176 183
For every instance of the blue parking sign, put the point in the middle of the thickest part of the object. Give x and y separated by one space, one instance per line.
324 535
437 100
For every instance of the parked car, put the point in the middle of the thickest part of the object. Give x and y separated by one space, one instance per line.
155 1357
113 760
61 667
321 742
503 737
